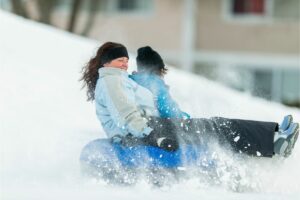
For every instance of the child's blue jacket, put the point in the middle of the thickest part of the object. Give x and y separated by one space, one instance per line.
166 106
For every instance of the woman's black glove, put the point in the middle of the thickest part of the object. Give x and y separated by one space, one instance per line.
153 139
166 143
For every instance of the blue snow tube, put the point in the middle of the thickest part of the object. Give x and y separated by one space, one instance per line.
102 153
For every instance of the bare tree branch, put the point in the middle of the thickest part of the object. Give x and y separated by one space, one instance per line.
93 8
19 8
45 8
74 14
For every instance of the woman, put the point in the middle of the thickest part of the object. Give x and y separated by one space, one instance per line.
151 70
129 116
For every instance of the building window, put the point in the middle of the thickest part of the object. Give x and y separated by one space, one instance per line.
248 7
262 84
286 10
290 88
127 5
252 11
258 11
5 4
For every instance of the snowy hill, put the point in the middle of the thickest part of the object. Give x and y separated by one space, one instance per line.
45 121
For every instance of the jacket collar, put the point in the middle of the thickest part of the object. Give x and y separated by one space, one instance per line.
104 71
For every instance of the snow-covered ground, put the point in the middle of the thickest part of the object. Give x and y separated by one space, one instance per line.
45 121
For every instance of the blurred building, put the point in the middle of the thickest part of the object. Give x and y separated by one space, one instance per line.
250 45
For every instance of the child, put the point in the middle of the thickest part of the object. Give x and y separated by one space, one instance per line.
151 71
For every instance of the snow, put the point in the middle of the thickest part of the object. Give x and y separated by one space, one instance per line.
45 121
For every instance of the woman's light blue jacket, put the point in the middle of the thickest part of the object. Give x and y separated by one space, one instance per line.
121 104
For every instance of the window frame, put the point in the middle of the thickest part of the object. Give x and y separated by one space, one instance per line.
229 16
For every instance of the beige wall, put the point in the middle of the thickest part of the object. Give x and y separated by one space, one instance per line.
216 33
161 28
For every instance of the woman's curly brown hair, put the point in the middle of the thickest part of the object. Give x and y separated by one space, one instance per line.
90 73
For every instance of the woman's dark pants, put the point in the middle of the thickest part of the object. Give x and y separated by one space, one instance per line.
251 137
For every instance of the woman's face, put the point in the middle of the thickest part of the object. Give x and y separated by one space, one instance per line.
121 63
